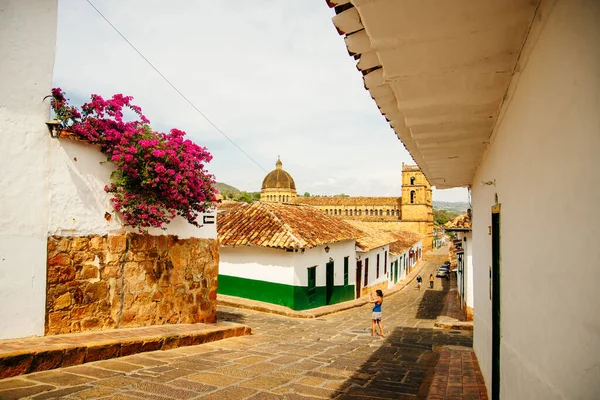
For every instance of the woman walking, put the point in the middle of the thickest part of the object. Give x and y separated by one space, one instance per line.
376 317
431 280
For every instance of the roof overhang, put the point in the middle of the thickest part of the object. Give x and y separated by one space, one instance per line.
438 71
457 229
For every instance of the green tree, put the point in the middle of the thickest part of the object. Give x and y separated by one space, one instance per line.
306 194
443 216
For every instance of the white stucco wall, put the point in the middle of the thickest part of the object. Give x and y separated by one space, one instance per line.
544 159
28 36
319 258
78 203
468 266
289 268
260 263
372 273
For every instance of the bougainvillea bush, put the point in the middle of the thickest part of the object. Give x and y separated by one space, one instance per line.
158 175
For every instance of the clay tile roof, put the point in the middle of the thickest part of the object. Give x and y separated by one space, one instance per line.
347 201
279 225
227 205
399 241
460 223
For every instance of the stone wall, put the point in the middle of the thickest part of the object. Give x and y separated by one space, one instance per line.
101 282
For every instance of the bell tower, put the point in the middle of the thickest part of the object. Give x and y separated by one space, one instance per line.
417 202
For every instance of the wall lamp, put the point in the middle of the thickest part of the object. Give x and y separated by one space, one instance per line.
54 128
489 183
326 249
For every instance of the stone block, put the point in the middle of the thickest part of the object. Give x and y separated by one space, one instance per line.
101 351
111 270
98 243
96 291
152 344
80 243
45 360
58 322
170 342
59 259
82 257
62 302
130 347
89 272
117 244
13 364
92 323
73 356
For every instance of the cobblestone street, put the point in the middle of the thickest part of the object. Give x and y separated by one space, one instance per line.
285 358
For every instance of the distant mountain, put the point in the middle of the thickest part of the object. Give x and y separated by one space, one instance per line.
224 188
458 207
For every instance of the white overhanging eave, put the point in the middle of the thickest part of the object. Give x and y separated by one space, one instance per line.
438 71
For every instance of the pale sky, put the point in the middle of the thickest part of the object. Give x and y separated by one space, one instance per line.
275 76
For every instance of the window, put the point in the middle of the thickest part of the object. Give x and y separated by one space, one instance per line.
334 212
366 272
346 271
412 196
387 213
380 213
377 268
412 180
346 212
350 212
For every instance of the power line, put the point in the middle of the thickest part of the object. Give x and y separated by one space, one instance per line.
174 87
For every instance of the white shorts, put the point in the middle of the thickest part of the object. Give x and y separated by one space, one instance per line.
376 316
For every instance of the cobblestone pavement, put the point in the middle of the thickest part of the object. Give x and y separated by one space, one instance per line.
286 358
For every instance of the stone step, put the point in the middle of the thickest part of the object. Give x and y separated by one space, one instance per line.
35 354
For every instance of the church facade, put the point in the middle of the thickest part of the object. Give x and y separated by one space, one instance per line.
412 211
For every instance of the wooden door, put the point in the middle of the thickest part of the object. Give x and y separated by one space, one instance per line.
358 277
329 270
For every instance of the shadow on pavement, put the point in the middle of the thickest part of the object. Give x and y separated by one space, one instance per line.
432 302
402 368
230 316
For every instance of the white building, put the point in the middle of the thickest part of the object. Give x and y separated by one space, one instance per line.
463 263
52 190
502 96
291 255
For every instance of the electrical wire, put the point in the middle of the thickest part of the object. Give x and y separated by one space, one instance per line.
173 86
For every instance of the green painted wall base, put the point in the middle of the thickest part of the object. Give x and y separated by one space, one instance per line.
294 297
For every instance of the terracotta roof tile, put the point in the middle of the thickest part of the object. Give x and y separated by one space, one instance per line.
399 241
286 226
462 222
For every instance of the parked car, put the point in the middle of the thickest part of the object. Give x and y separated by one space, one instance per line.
442 271
446 264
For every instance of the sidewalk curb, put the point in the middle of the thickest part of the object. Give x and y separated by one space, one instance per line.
25 356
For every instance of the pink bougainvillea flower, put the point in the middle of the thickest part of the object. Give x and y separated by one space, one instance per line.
159 175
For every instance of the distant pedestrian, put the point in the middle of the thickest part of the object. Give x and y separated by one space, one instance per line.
376 316
419 281
431 280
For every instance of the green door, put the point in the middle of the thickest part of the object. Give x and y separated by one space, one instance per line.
329 282
496 302
312 286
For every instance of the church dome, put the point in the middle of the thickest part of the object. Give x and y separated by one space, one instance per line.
278 179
